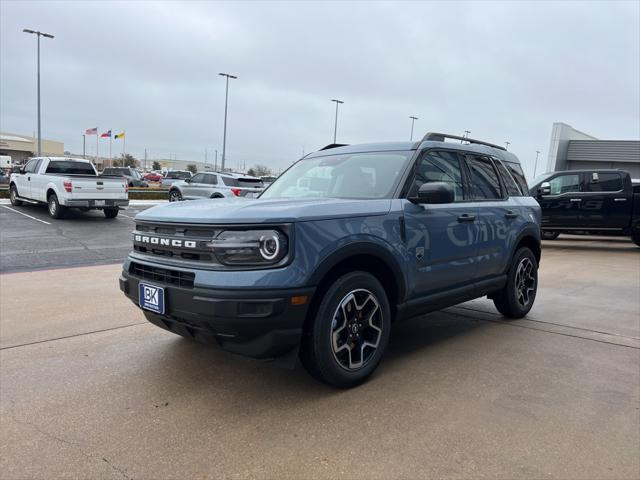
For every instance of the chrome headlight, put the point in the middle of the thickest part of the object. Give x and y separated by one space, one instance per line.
250 247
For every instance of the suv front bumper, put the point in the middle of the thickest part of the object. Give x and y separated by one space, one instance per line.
255 323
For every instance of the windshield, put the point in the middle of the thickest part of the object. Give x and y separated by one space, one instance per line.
366 175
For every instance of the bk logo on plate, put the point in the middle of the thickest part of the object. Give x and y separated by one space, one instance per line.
151 297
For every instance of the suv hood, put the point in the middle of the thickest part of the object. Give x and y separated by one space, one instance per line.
239 210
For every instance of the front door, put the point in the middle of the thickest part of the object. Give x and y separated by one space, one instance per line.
195 187
561 208
440 238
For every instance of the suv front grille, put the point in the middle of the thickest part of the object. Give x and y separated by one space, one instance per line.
176 242
162 275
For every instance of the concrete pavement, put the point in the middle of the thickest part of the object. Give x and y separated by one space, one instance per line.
89 390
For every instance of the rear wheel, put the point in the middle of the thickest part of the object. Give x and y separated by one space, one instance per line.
55 209
517 297
547 235
350 331
175 196
111 212
13 196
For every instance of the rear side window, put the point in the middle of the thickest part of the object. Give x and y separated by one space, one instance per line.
211 179
565 184
512 187
518 175
604 182
250 183
485 184
436 166
70 168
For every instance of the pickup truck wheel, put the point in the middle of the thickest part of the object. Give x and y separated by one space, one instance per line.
547 235
13 196
349 334
175 196
111 212
55 209
517 297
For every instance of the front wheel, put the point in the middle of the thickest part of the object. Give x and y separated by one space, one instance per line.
548 235
13 196
111 212
517 297
350 331
175 196
55 209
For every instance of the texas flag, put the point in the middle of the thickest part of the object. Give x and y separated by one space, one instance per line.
106 134
91 131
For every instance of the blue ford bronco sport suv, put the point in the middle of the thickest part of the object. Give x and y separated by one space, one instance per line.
345 242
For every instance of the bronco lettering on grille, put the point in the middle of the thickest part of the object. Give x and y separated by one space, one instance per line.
167 242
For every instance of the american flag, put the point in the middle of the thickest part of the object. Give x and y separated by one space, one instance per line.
91 131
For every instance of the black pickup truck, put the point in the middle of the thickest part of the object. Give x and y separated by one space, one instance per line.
597 202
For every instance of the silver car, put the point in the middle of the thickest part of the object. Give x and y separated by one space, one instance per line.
215 185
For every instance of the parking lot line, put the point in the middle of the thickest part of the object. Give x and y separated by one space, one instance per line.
29 216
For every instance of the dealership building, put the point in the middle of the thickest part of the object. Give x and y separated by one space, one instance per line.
21 147
571 149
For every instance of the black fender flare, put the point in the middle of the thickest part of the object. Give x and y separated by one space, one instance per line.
356 249
528 231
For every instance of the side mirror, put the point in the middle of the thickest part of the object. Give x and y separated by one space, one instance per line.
544 189
188 180
21 170
435 192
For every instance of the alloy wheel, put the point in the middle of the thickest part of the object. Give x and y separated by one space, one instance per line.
52 205
356 329
525 281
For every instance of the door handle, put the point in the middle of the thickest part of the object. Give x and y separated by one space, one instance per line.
28 179
619 199
575 200
466 217
511 214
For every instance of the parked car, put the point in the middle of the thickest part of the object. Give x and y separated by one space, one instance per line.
215 185
598 202
4 178
133 176
345 242
153 177
64 183
175 176
268 180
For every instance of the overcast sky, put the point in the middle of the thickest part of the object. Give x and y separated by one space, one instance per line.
503 70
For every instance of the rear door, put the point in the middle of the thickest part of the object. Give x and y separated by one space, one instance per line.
440 238
497 212
561 208
606 203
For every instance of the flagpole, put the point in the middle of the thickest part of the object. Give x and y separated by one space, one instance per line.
110 143
124 142
97 144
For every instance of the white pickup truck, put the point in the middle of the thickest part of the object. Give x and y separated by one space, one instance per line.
63 183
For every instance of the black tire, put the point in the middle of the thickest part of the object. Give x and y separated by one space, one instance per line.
331 338
518 295
216 195
55 209
111 212
13 196
635 237
548 235
175 195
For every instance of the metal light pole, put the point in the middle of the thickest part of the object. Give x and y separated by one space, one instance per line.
413 119
84 146
506 144
335 126
535 167
226 99
48 35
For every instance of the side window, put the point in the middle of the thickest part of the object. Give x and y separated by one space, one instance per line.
198 178
211 179
437 166
604 182
507 179
32 166
485 184
516 171
565 184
